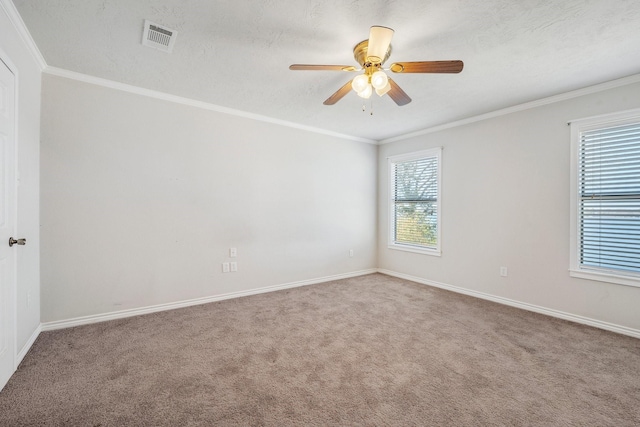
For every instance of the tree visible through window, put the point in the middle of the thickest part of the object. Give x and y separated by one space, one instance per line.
415 201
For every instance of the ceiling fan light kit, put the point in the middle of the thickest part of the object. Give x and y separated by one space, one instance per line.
371 54
364 84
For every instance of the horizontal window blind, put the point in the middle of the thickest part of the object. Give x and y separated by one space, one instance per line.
609 192
415 199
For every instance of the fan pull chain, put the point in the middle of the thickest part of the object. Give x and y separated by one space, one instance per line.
364 107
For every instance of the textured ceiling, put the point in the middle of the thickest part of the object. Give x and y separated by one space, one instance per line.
236 53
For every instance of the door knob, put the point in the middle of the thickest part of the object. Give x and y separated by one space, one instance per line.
20 242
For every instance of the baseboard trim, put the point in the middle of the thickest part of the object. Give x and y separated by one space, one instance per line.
86 320
25 349
525 306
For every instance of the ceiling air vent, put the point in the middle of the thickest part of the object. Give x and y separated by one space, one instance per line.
158 37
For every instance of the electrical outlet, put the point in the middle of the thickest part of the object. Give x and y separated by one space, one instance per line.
503 271
234 266
233 252
350 252
225 267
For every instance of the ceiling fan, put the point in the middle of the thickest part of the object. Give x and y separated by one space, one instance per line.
371 54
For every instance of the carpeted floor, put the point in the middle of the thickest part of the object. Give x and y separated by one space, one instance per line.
372 350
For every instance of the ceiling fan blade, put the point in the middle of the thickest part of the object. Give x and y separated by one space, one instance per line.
339 94
379 41
427 67
322 67
397 94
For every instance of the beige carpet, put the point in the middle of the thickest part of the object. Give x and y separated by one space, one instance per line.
372 350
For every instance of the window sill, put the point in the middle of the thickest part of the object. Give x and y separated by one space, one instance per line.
415 249
604 276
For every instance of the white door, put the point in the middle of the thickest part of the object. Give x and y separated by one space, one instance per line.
7 224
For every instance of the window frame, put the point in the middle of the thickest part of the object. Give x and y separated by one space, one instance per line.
401 158
577 270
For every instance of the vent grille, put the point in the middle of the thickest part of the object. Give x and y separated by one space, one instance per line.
158 37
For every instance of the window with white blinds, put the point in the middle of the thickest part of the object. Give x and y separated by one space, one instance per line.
415 202
608 198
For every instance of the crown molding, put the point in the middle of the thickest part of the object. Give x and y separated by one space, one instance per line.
521 107
15 18
194 103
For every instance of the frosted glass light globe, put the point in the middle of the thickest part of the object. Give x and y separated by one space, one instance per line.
379 79
366 93
360 83
384 90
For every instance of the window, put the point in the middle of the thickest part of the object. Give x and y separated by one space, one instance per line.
606 198
415 202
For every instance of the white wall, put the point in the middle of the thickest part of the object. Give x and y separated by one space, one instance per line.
14 50
142 199
505 202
